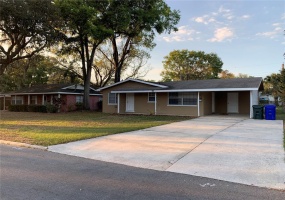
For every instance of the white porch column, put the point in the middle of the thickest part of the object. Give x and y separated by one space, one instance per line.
29 99
155 96
253 101
118 103
198 104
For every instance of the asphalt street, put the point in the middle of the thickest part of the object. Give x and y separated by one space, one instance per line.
36 174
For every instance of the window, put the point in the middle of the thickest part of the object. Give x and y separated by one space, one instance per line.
79 99
33 100
151 97
17 100
183 98
112 99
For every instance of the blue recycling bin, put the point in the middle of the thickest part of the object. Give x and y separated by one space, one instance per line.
270 112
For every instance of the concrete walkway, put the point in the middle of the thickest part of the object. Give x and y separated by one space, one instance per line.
227 148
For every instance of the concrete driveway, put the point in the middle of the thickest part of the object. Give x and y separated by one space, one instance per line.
227 148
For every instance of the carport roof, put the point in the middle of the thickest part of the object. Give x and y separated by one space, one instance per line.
215 83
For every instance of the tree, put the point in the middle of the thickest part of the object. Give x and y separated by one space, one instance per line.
134 24
240 75
281 87
272 82
34 71
104 66
84 30
225 74
25 29
191 65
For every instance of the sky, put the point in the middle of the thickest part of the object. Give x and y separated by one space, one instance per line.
247 35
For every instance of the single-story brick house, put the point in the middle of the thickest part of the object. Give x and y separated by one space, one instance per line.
68 94
5 101
187 98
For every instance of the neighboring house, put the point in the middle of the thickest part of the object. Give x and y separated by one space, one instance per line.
5 101
188 98
67 94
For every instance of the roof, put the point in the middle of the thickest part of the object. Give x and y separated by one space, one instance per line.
236 84
54 89
215 83
134 80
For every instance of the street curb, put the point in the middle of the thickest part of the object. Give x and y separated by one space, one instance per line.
19 144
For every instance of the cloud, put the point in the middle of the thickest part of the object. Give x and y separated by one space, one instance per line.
245 16
277 31
276 24
283 16
226 13
204 19
183 34
224 10
222 34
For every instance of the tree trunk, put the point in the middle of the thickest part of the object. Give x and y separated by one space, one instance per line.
117 75
86 98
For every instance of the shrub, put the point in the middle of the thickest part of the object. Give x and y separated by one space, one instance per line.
50 108
79 106
18 108
27 108
37 108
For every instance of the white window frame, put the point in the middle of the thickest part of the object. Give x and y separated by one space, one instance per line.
79 99
181 96
15 99
116 99
154 96
35 99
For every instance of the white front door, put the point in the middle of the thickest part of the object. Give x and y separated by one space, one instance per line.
130 103
232 102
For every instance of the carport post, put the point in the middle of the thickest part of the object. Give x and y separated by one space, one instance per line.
198 104
118 103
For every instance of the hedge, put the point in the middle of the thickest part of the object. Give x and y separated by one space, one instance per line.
27 108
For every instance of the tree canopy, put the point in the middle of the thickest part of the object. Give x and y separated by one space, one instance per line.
134 24
191 65
25 29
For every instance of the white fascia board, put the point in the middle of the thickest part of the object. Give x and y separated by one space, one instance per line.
53 93
141 91
209 90
134 80
80 88
148 83
5 95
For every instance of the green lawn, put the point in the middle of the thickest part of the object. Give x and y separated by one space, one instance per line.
49 129
280 114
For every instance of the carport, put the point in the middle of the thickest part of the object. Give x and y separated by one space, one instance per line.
235 102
